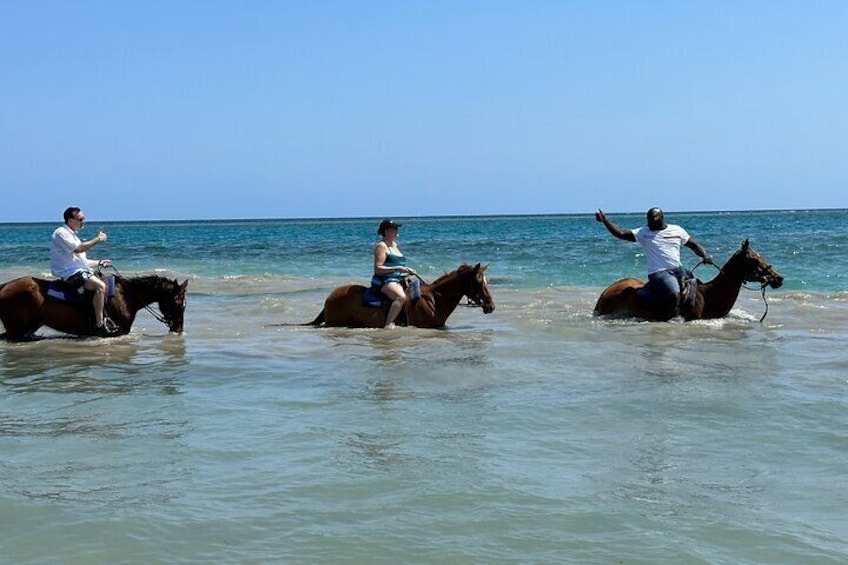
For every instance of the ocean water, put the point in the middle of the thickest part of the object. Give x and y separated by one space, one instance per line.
535 434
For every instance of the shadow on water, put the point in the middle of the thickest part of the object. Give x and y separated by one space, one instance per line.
402 347
719 350
92 365
394 371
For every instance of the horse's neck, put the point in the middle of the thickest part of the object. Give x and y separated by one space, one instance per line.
448 291
139 293
720 294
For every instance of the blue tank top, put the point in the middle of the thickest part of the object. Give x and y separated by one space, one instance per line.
392 260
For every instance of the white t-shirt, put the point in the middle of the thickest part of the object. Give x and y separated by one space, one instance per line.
63 261
662 248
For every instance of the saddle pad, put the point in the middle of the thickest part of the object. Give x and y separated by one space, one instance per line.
372 297
689 292
110 286
60 290
414 290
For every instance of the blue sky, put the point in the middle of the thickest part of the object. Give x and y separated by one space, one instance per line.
178 110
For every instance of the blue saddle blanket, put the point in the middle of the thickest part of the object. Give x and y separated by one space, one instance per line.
372 297
60 290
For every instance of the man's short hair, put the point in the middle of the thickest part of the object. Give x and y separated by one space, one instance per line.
70 213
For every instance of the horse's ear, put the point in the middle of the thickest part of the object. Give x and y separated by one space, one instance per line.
477 267
483 270
184 285
745 244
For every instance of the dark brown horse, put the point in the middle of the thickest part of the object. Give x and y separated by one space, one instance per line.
344 308
713 299
25 306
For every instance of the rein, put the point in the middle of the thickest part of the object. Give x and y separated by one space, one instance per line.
152 312
763 287
425 283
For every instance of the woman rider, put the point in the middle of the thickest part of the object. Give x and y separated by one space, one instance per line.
390 268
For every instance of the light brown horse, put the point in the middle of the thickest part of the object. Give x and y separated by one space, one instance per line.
713 299
25 306
344 308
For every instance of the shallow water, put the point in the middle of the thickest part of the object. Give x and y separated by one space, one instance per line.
535 434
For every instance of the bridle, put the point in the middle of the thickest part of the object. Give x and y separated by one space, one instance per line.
475 301
470 302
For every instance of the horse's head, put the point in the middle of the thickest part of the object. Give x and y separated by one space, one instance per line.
478 289
754 267
172 303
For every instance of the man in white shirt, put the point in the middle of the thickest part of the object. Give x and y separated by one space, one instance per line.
69 262
661 242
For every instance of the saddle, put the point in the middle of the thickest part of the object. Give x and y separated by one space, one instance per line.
373 297
70 292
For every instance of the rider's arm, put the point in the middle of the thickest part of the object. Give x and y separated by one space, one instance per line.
698 250
86 245
626 235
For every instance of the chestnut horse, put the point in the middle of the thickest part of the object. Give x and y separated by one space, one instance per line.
344 308
25 306
713 299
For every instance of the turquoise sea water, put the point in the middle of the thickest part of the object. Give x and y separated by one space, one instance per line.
535 434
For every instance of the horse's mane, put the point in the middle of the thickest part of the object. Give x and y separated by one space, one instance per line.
156 281
452 274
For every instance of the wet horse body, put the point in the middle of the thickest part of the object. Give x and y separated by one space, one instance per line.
713 299
25 306
344 307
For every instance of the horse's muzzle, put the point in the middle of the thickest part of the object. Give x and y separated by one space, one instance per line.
488 308
775 282
772 278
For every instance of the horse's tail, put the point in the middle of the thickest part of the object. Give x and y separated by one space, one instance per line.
319 319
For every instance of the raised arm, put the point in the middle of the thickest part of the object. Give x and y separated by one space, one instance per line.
86 245
626 235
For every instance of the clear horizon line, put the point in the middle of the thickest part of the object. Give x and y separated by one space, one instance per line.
432 216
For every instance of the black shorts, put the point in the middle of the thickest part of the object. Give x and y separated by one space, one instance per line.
77 280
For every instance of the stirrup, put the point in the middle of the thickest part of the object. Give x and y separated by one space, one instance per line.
109 328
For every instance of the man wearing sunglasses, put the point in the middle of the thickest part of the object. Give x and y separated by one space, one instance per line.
69 262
